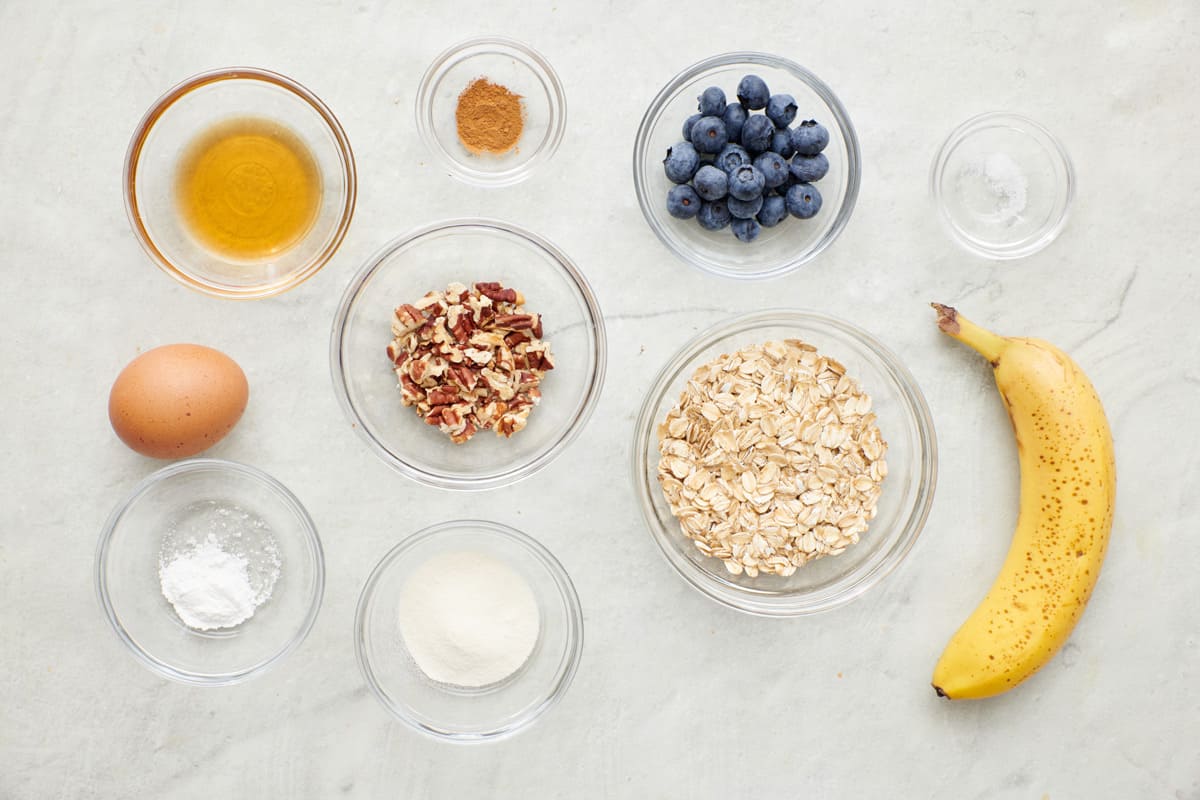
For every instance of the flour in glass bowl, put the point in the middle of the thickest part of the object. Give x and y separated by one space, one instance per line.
218 563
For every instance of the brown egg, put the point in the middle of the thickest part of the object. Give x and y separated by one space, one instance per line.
177 400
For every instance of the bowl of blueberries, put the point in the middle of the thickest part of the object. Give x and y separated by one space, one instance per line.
746 165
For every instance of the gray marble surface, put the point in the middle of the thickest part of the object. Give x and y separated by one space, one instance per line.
676 696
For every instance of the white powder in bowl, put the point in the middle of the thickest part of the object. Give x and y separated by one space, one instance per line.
1003 182
468 619
217 564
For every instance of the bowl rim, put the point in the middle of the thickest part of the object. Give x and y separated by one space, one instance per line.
519 471
160 666
536 63
1028 127
569 665
912 525
806 76
133 157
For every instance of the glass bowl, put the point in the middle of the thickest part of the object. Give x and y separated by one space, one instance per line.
778 250
458 713
127 580
907 494
517 67
467 250
189 110
1003 185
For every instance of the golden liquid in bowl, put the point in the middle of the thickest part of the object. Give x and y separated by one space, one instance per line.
248 188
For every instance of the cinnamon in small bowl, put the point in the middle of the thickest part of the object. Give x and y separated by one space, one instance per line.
491 110
489 117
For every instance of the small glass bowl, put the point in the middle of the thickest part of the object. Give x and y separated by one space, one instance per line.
458 713
904 421
188 110
128 586
778 250
1003 185
467 251
520 69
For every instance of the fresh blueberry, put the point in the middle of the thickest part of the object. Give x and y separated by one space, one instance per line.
773 211
711 183
688 123
713 216
746 230
732 156
743 209
774 168
757 133
683 202
781 142
708 135
803 200
681 162
806 169
809 137
712 102
745 183
752 92
734 118
781 109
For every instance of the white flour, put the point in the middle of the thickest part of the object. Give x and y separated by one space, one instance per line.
217 565
468 619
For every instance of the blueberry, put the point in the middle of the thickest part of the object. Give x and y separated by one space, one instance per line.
781 142
746 230
713 216
773 211
743 209
809 137
781 109
807 169
731 157
774 168
708 134
753 93
711 183
734 118
681 162
803 200
757 133
712 102
746 182
683 202
688 123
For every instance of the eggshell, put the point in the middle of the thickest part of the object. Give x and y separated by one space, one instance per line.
177 400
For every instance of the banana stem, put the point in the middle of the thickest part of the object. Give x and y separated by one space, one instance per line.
953 324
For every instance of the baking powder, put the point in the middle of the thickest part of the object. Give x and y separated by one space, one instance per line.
218 563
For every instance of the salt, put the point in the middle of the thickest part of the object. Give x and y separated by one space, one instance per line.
1004 182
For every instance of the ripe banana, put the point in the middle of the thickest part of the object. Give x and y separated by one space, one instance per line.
1068 486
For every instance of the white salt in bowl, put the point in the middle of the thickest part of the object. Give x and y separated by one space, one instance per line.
130 592
1003 186
457 713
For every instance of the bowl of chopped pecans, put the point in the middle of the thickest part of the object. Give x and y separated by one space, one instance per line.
785 462
468 353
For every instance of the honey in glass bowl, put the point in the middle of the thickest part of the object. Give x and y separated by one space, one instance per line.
248 189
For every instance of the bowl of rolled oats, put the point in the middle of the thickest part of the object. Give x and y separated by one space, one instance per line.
468 353
785 462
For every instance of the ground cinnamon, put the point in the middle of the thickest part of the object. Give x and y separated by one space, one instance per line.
490 118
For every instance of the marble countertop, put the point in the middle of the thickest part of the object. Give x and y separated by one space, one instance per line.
676 696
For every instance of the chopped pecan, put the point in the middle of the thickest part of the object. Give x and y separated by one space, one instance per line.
469 359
